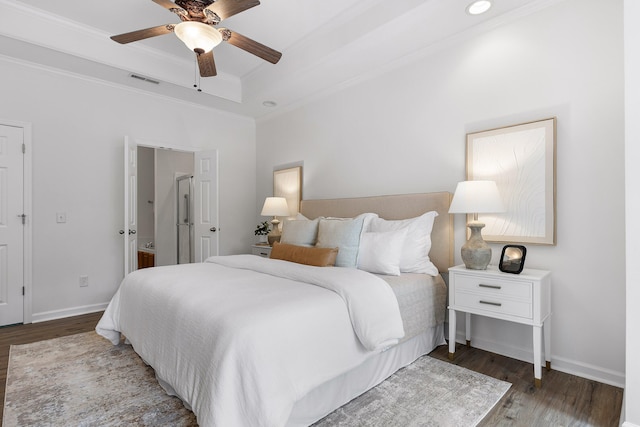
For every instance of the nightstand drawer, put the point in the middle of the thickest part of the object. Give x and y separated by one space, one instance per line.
489 303
495 287
261 250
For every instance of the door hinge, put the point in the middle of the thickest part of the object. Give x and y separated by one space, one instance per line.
23 291
23 217
24 148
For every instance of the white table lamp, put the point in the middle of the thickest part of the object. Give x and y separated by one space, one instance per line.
275 206
474 197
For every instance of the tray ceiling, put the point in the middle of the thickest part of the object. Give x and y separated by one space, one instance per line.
325 44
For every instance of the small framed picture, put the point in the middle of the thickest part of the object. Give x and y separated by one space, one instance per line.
512 259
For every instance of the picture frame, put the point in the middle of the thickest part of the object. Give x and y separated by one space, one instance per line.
287 183
521 159
512 259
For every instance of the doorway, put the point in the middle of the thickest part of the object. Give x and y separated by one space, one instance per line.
159 207
158 199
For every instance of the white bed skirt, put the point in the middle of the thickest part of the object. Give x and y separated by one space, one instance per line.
331 395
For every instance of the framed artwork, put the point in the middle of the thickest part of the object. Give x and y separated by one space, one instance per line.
287 183
521 159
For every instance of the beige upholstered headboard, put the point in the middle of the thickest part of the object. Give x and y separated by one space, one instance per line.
401 206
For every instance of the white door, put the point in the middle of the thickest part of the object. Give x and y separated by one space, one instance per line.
206 204
11 225
130 206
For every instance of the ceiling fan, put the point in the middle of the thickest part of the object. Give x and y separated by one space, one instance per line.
199 32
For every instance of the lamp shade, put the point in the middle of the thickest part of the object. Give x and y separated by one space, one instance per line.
197 35
275 206
476 197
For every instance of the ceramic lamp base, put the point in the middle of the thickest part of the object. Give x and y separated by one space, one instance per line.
476 253
273 238
274 234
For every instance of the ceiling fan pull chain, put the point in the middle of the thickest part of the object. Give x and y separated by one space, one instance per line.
195 73
196 76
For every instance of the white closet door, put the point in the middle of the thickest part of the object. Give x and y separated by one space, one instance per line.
130 206
206 204
12 222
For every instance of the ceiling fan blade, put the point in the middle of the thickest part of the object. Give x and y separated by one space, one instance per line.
251 46
171 6
227 8
167 4
143 34
206 64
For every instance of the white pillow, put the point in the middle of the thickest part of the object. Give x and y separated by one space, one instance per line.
417 244
344 234
299 232
368 217
380 252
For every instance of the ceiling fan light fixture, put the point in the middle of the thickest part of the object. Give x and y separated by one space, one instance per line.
478 7
197 35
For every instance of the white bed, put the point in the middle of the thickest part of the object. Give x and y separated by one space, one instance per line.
244 340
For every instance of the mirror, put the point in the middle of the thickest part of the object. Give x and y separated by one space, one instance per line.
512 259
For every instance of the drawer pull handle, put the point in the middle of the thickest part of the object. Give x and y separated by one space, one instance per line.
482 285
497 304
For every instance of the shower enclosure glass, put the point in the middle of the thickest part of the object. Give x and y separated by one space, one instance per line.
184 224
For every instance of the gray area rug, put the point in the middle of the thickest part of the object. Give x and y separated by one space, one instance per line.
83 380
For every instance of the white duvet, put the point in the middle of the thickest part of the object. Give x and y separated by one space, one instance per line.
242 338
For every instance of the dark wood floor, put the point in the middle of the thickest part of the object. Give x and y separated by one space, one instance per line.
563 400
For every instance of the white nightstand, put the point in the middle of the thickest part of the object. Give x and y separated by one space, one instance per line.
523 298
261 250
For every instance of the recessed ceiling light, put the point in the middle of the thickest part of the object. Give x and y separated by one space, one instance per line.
269 104
478 7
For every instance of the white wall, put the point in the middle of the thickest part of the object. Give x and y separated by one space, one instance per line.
631 413
404 132
78 131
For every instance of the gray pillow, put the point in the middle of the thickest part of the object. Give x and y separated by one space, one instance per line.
343 233
299 232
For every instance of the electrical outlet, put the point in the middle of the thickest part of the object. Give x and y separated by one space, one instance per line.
84 281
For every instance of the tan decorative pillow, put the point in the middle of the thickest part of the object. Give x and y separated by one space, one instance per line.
318 257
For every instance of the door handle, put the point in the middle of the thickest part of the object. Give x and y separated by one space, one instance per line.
213 229
121 232
132 232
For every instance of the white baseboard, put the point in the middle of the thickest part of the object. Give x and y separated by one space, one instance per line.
628 424
584 370
68 312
